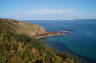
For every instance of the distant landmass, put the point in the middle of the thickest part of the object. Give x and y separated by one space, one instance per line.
85 19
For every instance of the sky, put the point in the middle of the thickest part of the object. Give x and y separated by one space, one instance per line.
48 9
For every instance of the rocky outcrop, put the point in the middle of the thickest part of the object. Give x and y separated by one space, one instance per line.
48 34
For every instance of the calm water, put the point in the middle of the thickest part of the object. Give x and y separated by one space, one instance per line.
81 39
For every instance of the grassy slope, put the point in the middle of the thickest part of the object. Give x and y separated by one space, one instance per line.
20 27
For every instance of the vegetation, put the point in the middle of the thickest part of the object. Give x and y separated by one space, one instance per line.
16 48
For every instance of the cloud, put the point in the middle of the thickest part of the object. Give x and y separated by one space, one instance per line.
40 14
50 12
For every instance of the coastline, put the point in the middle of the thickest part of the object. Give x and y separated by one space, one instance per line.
66 50
41 37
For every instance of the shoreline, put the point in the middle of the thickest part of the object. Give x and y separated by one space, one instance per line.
67 50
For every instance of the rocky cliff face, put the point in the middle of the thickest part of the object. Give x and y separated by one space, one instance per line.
21 27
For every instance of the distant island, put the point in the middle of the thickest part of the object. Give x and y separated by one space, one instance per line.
85 20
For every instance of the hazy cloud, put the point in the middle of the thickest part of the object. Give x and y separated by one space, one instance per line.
48 14
50 11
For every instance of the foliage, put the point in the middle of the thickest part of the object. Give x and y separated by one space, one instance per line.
16 48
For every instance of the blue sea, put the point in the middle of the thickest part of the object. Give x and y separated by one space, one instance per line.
81 38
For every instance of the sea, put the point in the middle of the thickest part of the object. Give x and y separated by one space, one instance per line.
81 38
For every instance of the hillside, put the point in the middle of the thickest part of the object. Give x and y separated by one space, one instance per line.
16 45
29 29
21 27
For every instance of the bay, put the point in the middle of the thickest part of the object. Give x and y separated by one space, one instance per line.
81 38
